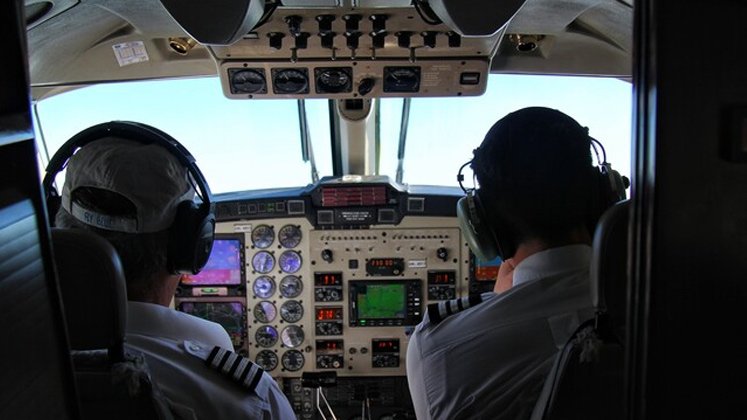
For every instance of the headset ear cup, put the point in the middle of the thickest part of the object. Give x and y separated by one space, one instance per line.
476 228
190 238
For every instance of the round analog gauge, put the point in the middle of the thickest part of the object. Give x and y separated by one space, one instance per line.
288 81
401 79
248 81
263 262
265 312
290 286
290 261
292 336
263 236
333 80
266 336
293 360
267 360
291 311
289 236
264 287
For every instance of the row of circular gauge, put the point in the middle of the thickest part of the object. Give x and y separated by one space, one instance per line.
292 360
264 261
290 287
290 311
289 236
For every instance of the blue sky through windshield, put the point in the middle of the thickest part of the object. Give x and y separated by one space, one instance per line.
242 145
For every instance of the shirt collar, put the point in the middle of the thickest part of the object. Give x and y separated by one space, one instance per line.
552 262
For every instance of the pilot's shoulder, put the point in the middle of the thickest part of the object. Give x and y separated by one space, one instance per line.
232 367
439 311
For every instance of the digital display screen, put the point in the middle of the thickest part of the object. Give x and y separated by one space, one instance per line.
223 266
328 279
385 346
329 345
441 277
228 314
487 271
382 301
328 314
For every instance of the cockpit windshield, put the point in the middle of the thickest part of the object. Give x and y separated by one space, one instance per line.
248 145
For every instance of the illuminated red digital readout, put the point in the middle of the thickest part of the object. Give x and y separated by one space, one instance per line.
328 345
439 278
383 262
326 314
386 345
328 279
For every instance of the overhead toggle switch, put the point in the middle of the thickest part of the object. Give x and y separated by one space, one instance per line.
403 39
352 39
276 40
378 39
302 40
379 22
429 38
325 23
328 39
294 24
351 22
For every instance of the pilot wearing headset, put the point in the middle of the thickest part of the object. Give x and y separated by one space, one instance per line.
539 198
134 185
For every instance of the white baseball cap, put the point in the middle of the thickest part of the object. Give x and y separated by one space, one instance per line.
147 175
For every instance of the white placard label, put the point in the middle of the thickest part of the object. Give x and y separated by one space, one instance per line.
416 264
130 53
242 227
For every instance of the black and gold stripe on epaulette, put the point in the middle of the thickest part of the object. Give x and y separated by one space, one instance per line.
437 312
240 369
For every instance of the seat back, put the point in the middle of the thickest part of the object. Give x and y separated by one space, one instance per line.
587 379
112 383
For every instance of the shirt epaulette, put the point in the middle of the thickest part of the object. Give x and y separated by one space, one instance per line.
236 367
439 311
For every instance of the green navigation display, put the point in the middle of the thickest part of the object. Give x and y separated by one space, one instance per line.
382 301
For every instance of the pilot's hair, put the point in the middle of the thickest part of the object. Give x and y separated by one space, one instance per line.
534 169
143 255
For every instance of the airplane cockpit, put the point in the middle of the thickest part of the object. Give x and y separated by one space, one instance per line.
331 133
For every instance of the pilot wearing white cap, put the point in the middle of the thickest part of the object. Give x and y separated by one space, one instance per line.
128 192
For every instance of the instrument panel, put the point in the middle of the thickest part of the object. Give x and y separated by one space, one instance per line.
334 286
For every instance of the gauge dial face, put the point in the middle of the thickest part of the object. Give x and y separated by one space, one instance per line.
292 336
293 360
289 236
266 336
333 80
263 236
265 312
290 81
401 79
248 81
291 311
263 262
267 360
290 286
264 287
290 261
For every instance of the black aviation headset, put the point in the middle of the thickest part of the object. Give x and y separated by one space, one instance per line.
192 232
493 237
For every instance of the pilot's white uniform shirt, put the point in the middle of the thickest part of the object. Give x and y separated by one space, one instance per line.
490 361
193 389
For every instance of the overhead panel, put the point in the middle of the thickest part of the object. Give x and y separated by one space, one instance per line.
346 52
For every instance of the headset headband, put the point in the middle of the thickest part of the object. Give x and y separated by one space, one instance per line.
130 131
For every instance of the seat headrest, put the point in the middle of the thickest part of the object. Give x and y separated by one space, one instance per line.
609 263
93 290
